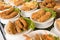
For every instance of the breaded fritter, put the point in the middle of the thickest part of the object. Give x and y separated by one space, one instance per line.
45 17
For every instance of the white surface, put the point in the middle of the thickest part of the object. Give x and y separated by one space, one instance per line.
1 37
54 31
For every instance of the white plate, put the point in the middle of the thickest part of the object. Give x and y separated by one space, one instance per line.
31 34
28 13
17 36
55 26
54 31
45 24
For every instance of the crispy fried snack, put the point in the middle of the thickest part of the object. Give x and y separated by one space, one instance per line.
10 28
49 5
38 14
9 11
18 24
37 37
13 14
48 1
27 37
18 2
23 22
45 17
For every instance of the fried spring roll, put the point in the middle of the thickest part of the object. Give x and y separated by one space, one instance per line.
19 2
38 14
27 37
45 17
13 14
23 22
11 28
18 24
7 12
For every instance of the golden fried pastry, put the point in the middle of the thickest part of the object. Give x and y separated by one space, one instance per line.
13 14
25 8
29 6
11 29
27 37
48 1
18 24
9 11
49 5
25 28
38 14
37 37
47 37
43 18
23 22
2 3
19 2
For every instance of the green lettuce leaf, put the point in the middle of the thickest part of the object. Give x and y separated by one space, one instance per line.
50 10
31 24
17 10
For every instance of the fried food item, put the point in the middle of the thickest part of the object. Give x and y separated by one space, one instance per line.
37 37
25 28
10 28
58 24
27 37
48 1
38 14
9 11
23 22
43 18
19 2
2 3
18 24
29 6
25 8
49 5
13 14
47 37
18 29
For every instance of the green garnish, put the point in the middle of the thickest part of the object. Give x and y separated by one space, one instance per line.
50 10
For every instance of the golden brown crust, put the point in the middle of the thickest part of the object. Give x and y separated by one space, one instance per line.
11 28
43 18
23 22
38 14
18 24
13 14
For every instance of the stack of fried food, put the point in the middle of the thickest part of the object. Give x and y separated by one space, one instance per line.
4 6
7 14
18 2
29 6
18 26
41 16
39 37
48 3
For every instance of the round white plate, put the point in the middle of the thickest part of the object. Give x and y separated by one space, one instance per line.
54 31
45 24
31 34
